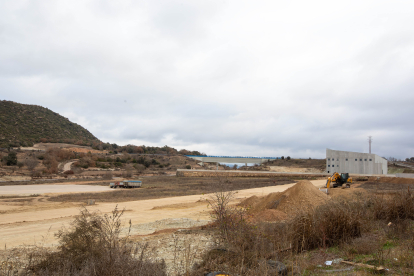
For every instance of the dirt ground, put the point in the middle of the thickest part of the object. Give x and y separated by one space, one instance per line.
35 220
46 146
24 190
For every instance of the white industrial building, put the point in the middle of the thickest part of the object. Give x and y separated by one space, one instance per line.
355 162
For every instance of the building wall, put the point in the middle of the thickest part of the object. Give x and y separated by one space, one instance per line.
355 162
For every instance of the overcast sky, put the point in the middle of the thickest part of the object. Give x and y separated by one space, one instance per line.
256 78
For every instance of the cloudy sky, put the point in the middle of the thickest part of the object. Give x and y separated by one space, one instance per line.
259 78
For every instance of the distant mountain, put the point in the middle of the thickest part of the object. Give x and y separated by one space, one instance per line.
24 125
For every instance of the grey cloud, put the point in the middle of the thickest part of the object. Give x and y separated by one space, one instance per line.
220 77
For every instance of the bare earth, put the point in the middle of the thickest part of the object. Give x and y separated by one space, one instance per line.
37 222
24 190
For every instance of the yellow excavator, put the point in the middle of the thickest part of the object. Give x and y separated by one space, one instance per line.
339 180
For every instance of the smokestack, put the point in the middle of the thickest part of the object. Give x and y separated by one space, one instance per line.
369 141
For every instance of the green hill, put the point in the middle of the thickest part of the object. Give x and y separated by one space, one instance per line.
24 125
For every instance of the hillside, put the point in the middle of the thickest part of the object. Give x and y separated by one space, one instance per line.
299 163
24 125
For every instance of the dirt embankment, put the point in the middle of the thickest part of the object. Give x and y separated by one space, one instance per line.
278 206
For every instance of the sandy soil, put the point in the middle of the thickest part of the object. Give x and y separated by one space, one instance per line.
76 148
23 190
67 166
38 225
293 169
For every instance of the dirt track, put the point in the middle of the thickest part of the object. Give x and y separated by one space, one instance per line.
67 166
38 225
51 188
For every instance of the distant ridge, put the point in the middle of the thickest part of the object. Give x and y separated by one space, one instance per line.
24 125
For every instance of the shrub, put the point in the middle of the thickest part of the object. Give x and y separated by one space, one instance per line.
107 175
69 172
36 174
20 164
141 160
51 163
139 167
11 159
326 225
399 207
31 163
188 167
92 246
85 162
147 163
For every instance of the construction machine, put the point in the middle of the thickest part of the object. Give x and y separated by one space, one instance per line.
339 180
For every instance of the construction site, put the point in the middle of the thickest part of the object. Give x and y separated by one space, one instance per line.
184 215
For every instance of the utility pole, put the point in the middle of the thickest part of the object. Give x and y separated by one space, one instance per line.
369 141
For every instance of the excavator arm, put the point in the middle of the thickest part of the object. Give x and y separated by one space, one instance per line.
331 179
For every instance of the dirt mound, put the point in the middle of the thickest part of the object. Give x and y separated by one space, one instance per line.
249 202
277 206
269 215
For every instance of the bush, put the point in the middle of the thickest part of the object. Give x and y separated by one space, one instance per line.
326 225
399 207
92 246
36 174
107 175
141 160
85 162
11 159
31 163
69 172
188 167
139 167
147 163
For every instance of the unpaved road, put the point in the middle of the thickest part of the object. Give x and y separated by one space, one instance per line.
24 190
34 226
67 166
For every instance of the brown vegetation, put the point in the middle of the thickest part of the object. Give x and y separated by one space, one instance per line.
91 246
358 228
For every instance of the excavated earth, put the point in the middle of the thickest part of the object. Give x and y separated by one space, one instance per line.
160 222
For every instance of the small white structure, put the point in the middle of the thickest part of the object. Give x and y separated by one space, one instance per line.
355 162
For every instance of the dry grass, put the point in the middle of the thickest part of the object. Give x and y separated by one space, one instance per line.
327 225
400 206
355 229
91 246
